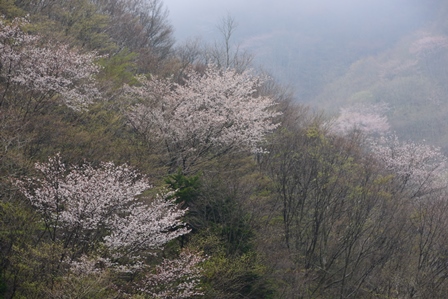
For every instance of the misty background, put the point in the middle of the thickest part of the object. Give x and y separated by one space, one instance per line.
335 54
304 43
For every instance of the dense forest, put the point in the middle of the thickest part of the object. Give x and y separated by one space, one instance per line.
133 167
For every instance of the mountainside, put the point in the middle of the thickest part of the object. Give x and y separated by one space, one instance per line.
131 168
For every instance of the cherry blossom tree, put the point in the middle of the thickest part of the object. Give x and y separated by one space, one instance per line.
177 278
171 278
103 225
86 206
368 119
209 115
419 167
31 74
429 44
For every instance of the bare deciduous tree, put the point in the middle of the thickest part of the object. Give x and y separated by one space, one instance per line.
224 53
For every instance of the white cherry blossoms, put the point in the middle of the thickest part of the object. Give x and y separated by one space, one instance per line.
210 114
32 74
105 222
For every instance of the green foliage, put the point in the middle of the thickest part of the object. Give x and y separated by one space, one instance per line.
10 10
83 22
223 229
83 285
232 276
78 22
2 287
118 69
28 264
187 187
235 277
213 208
33 269
22 257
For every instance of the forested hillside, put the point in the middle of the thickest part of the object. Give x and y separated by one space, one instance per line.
131 168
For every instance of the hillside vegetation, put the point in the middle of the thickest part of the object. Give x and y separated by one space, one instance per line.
133 169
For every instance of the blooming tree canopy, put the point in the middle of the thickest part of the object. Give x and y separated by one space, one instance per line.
418 166
99 205
177 278
429 44
42 72
210 114
369 119
88 208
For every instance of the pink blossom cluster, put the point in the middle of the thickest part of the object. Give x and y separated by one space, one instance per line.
369 119
419 166
100 205
429 44
217 110
44 71
86 201
177 278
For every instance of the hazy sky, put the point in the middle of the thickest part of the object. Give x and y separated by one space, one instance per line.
199 17
304 43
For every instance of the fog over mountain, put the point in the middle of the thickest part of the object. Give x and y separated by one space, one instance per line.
305 43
